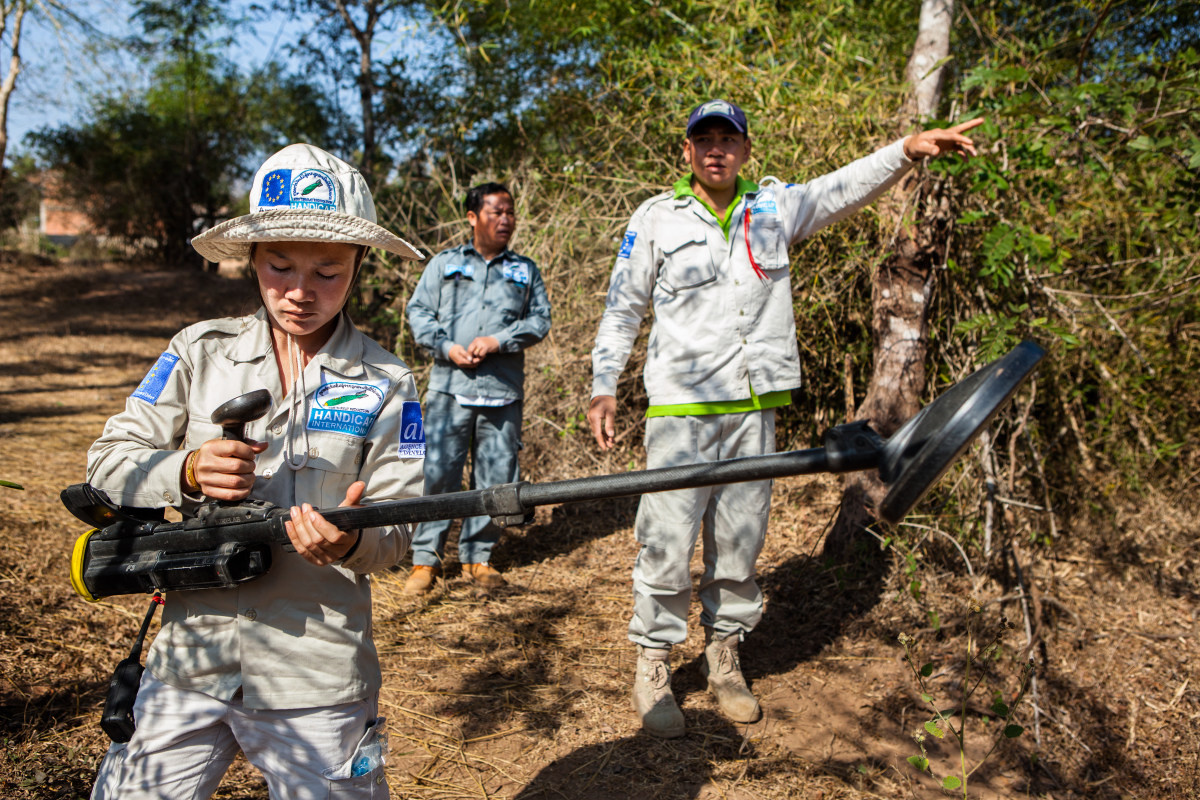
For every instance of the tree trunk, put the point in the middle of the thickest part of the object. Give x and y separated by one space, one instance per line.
366 81
918 215
9 84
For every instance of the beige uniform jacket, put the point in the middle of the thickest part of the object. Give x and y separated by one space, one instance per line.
300 636
719 326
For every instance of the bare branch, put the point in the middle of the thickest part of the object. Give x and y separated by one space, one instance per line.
930 53
9 84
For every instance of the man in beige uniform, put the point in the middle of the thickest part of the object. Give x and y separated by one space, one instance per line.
711 256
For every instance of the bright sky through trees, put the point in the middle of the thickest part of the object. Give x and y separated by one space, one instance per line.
64 69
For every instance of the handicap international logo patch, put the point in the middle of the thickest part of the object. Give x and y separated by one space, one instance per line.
465 270
412 431
348 407
517 272
275 188
313 188
155 381
764 204
627 244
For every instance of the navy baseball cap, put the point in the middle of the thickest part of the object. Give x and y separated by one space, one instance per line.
717 109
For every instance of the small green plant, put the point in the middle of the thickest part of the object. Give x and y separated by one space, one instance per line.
11 485
912 569
573 426
943 719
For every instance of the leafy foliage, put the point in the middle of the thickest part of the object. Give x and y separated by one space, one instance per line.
1076 226
983 649
159 166
1081 232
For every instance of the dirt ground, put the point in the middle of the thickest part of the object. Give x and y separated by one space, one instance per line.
526 694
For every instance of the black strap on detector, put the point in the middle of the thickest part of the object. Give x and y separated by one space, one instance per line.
117 718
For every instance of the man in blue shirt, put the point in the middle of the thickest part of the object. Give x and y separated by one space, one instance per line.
476 308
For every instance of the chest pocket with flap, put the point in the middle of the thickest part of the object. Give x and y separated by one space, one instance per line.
764 232
687 263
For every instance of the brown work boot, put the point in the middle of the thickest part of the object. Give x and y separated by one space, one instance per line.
725 680
421 579
652 698
484 576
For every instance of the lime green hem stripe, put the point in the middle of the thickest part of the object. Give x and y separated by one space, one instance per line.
753 403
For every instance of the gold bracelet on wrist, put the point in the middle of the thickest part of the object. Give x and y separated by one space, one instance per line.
190 473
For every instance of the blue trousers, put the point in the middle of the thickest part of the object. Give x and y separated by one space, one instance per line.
492 437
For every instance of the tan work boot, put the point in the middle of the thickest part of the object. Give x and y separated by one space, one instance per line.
725 680
421 579
652 698
484 576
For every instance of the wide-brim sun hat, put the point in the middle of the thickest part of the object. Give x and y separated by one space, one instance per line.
303 194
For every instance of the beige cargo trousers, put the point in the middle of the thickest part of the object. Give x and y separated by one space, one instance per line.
730 521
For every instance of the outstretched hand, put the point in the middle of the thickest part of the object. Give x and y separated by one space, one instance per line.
939 141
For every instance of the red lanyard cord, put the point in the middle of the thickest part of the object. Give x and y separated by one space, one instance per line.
762 276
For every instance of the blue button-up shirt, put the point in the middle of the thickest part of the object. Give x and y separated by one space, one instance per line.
460 297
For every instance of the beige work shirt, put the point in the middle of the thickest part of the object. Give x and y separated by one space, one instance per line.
300 636
721 327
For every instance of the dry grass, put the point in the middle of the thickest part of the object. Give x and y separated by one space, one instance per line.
525 694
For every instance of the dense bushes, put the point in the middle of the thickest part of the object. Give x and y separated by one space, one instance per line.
1075 227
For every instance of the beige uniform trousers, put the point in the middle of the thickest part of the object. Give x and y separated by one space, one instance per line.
186 741
730 521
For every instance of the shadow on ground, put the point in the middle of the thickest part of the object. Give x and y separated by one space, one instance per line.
810 601
641 766
570 526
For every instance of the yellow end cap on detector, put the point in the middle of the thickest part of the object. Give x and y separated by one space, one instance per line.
78 559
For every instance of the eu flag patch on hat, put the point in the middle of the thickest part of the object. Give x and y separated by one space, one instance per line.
155 381
412 431
276 188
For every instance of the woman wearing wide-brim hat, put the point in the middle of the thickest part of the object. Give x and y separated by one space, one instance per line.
282 667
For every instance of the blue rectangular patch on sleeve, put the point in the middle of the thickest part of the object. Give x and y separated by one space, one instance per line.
627 244
156 379
412 431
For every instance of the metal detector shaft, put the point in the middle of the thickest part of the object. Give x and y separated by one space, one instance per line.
848 448
225 544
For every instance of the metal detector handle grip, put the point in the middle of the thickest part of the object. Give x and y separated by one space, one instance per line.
232 415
